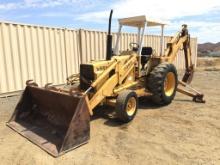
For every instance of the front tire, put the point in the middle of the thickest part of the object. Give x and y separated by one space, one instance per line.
126 105
162 83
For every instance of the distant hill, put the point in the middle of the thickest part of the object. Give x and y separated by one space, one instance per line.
209 49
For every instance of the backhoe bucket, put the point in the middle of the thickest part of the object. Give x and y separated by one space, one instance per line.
55 121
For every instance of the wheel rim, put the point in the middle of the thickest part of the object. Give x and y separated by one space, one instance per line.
169 84
131 106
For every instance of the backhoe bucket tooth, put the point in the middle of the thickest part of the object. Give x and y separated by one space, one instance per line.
55 121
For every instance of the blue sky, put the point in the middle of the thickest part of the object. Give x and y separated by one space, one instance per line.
202 16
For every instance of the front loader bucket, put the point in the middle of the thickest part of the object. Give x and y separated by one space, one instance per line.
57 122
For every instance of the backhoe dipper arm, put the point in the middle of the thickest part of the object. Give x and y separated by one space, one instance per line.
182 40
189 67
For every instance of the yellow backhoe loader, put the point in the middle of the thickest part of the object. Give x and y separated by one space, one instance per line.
58 119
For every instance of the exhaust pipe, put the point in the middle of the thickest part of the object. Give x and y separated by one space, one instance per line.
109 39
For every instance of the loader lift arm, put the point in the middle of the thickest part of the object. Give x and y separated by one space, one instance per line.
114 82
182 40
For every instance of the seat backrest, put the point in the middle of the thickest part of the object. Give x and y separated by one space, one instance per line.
146 51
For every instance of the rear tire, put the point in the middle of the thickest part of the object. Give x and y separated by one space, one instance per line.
126 106
162 83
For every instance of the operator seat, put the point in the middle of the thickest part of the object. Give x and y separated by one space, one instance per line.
145 55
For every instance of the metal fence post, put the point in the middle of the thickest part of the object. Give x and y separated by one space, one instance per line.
80 45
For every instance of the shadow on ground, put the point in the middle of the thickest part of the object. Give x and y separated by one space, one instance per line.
108 113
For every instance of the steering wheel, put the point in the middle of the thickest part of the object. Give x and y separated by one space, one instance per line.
134 46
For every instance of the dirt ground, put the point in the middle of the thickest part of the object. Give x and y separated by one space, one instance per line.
183 132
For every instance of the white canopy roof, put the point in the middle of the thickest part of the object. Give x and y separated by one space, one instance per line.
139 21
